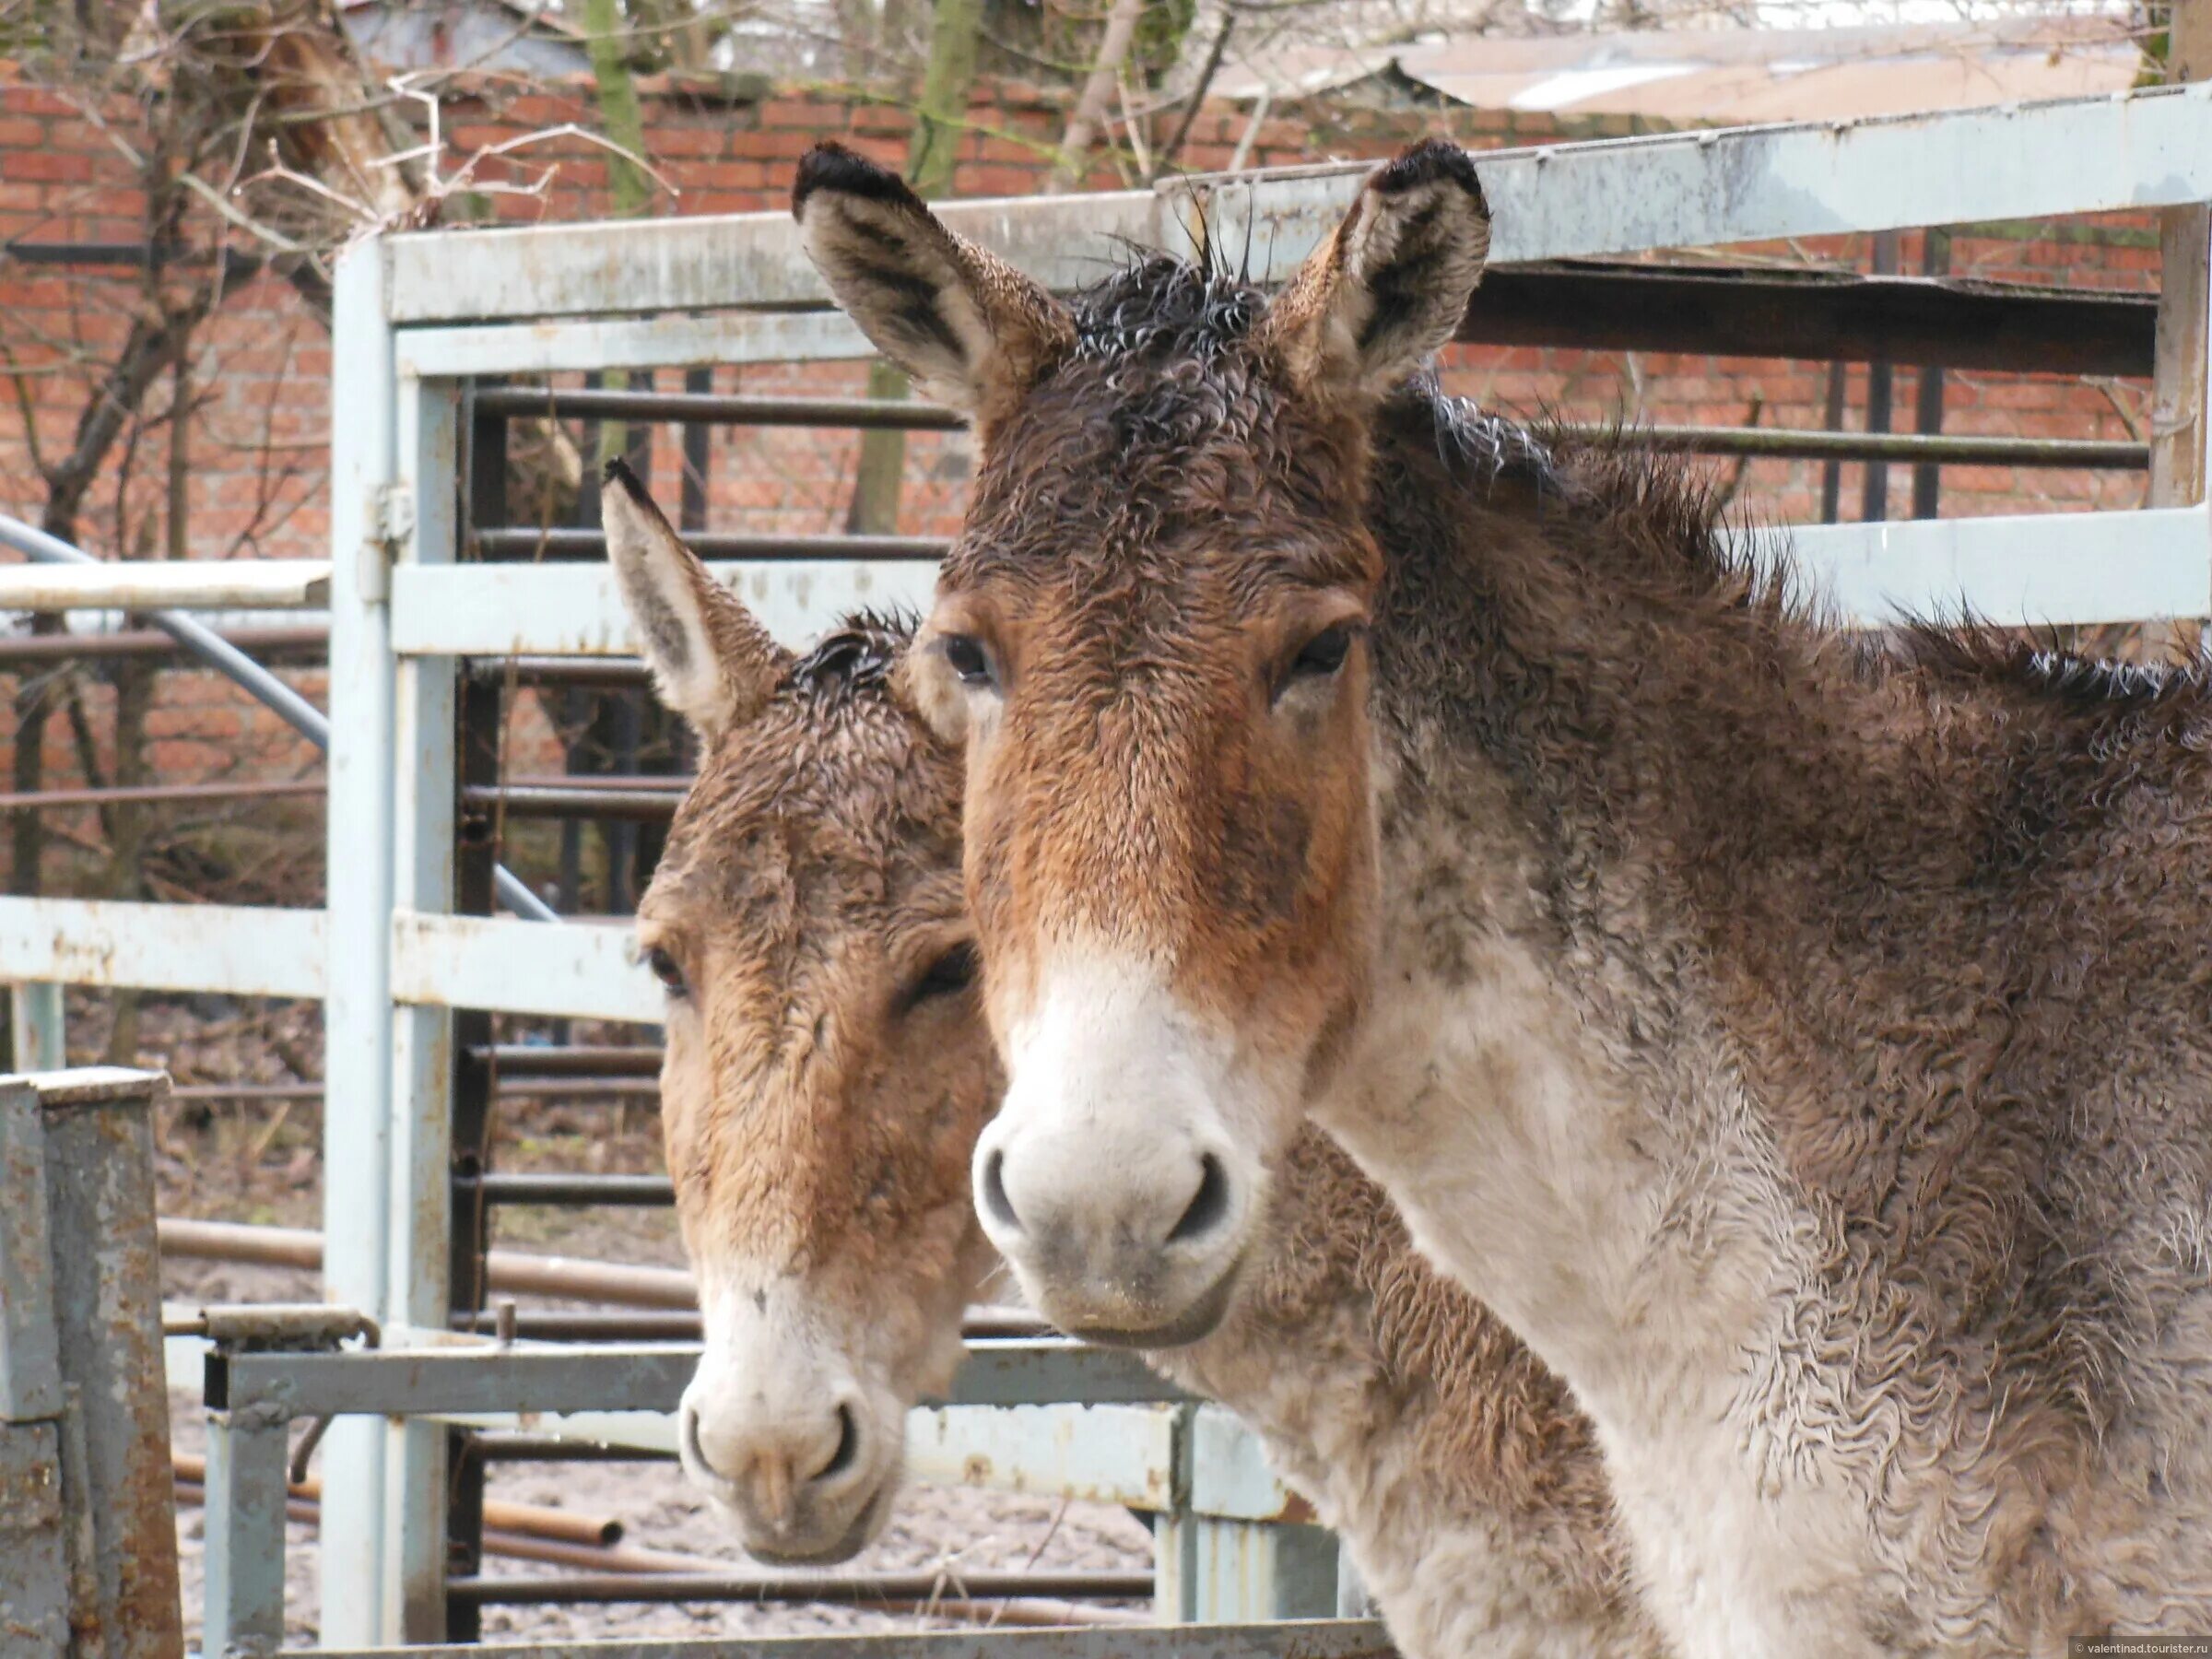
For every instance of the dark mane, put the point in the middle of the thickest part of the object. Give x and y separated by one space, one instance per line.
853 659
1159 305
1971 650
1652 502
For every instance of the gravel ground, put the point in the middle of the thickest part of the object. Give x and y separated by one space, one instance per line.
942 1528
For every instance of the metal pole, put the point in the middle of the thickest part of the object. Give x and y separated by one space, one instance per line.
37 1036
357 1005
228 660
1927 397
244 1530
1873 502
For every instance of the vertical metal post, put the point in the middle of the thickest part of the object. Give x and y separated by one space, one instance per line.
244 1520
481 702
84 1417
418 1222
1873 502
358 1001
34 1027
2179 430
1927 395
1353 1599
34 1556
1257 1562
1831 420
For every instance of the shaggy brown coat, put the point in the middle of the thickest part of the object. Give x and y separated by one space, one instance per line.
1809 1055
823 1095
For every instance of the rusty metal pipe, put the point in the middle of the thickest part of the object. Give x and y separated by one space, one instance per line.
512 1272
523 1520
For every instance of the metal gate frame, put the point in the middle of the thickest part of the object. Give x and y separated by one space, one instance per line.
418 317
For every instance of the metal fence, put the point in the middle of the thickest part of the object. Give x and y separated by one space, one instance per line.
87 1547
408 960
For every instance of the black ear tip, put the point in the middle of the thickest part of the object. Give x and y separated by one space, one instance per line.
1429 162
617 471
831 166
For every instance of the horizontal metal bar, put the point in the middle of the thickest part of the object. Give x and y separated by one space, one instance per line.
462 1379
521 1059
236 950
609 673
493 610
508 1272
1718 309
583 971
700 264
159 795
527 541
190 584
636 1191
2151 147
634 805
500 1447
539 1324
133 644
528 1089
1294 1638
715 409
2050 568
1944 449
1824 316
601 1588
546 347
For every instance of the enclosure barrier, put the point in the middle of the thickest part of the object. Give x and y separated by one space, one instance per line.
87 1547
419 587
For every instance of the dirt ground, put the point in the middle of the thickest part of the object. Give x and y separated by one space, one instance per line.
260 1162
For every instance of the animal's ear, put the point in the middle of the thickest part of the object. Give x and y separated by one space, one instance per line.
1392 284
710 661
970 329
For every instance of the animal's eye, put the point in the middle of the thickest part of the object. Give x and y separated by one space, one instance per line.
949 974
1323 654
669 971
966 658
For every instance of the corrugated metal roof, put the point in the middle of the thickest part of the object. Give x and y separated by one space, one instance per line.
1734 77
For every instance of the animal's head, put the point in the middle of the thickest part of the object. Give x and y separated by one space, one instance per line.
828 1068
1149 637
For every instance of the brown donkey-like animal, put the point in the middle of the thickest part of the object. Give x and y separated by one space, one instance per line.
1807 1053
829 1072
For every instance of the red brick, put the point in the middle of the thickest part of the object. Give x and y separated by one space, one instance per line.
47 166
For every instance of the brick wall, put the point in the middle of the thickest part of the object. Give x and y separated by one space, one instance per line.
259 419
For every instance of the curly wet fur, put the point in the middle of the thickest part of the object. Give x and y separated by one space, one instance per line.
1880 977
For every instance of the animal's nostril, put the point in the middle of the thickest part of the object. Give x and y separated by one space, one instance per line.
848 1445
1208 1206
995 1201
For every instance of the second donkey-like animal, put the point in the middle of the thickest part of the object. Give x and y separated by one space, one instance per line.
827 1074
